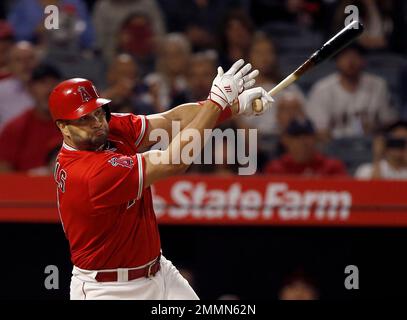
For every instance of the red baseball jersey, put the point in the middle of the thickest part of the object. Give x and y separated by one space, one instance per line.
106 212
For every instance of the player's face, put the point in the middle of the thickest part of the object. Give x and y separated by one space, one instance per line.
88 132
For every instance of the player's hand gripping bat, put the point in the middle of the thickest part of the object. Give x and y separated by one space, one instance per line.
331 47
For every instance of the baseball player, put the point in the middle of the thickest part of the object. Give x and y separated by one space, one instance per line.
103 184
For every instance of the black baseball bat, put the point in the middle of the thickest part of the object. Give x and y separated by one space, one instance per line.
342 39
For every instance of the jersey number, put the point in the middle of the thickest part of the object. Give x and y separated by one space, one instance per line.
60 177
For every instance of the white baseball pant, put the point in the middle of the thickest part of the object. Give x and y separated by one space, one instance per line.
167 284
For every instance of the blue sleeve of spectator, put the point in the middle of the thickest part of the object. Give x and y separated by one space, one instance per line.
88 36
23 17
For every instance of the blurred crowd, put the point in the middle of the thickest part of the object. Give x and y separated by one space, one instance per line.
345 118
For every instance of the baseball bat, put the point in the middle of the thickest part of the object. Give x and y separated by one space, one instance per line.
328 49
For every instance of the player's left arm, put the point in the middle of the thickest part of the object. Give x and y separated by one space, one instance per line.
183 114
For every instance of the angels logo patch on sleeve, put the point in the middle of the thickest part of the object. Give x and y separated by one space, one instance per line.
123 161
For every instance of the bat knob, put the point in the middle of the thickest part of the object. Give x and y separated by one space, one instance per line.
257 106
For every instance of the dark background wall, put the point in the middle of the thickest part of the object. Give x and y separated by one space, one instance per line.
248 261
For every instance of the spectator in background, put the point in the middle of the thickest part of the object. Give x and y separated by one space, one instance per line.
6 43
122 76
198 19
15 97
124 88
168 83
236 32
298 286
137 38
263 57
27 19
23 59
67 39
349 102
289 106
25 141
389 155
109 16
51 150
302 157
304 13
63 48
201 69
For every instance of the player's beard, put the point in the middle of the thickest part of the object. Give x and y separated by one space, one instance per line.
92 141
98 141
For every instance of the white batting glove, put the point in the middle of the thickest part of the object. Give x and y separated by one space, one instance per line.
247 97
227 86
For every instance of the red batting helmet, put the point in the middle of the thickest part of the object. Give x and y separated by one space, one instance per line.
74 98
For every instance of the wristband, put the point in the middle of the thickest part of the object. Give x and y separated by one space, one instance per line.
225 115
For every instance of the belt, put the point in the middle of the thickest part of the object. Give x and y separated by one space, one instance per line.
147 271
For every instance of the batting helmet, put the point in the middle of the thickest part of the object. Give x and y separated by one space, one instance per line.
74 98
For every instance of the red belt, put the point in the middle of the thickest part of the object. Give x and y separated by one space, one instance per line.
147 271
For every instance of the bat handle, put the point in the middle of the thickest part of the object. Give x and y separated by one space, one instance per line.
257 105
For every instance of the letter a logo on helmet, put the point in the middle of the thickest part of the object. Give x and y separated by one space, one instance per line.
84 94
74 98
